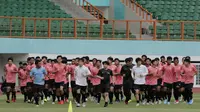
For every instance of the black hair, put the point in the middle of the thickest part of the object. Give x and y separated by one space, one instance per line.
162 57
10 58
24 64
32 58
127 60
110 58
187 60
77 58
105 62
44 57
148 59
152 61
81 59
29 58
20 63
157 59
37 57
131 58
137 60
169 58
99 61
59 56
87 58
49 60
188 57
176 58
116 59
144 56
37 61
64 60
54 60
94 59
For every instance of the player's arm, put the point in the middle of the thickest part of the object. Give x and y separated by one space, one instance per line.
15 70
99 75
133 74
122 72
195 71
5 71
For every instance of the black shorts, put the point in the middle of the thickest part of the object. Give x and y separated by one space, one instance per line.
73 84
38 88
89 84
168 85
177 85
141 87
188 86
159 82
59 84
151 87
46 82
117 87
51 83
81 89
29 84
22 89
105 88
182 84
111 85
97 88
11 85
66 86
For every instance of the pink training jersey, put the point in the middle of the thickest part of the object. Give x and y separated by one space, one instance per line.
113 68
152 79
94 72
60 72
71 71
28 69
10 73
118 78
23 77
50 72
89 65
169 73
46 66
188 73
177 69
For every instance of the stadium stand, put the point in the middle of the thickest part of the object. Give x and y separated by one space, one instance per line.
174 10
46 9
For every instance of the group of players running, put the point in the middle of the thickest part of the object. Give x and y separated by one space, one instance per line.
151 81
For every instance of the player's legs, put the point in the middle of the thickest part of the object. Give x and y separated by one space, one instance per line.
24 92
78 95
30 91
176 88
111 93
13 92
46 88
105 91
83 94
188 93
8 91
127 91
117 90
137 93
73 89
66 92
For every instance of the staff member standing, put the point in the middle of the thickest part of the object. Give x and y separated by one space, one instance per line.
38 73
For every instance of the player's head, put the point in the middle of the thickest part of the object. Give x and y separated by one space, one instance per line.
162 58
59 59
73 61
144 57
20 64
94 61
44 59
37 58
154 62
148 61
24 65
49 60
169 60
53 61
105 64
131 59
38 63
176 60
138 61
86 59
28 60
110 60
81 62
187 62
10 61
64 60
98 64
128 61
183 60
32 60
76 61
158 61
117 61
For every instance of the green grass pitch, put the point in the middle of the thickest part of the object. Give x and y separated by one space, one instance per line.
19 106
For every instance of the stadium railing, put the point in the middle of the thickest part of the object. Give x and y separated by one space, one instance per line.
116 26
89 8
